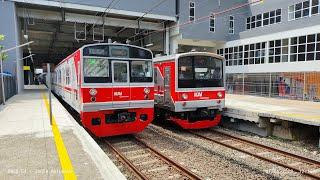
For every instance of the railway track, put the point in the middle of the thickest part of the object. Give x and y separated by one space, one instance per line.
148 163
300 164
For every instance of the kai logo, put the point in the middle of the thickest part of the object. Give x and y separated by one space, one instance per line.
117 93
198 94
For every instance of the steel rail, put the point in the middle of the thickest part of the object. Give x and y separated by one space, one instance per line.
169 161
285 153
190 174
256 155
126 161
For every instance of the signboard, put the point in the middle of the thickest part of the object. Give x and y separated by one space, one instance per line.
38 71
26 68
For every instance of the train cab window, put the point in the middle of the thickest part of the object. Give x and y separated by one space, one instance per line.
200 71
141 71
185 68
120 70
96 70
205 69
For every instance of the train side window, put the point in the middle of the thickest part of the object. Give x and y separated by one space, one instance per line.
63 74
67 75
60 77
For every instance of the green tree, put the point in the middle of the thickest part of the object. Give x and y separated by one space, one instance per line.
4 55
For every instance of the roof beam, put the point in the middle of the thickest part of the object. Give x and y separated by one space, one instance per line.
96 9
89 19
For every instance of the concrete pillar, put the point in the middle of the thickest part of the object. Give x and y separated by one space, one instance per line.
167 42
10 28
19 55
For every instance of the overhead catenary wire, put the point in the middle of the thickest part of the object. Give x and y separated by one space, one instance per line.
107 8
199 5
197 20
145 13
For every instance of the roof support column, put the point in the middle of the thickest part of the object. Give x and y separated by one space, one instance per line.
167 41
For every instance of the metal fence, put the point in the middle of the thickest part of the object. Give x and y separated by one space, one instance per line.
9 87
289 85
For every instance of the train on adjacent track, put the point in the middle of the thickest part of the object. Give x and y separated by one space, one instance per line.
189 89
110 85
119 88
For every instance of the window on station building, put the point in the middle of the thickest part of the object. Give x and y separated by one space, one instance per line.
231 24
212 23
278 51
305 48
245 55
220 52
259 54
191 11
303 9
295 49
226 56
237 55
264 19
315 7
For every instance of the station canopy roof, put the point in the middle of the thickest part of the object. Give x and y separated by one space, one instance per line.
57 32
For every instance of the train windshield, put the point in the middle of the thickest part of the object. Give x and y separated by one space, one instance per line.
200 71
96 70
141 71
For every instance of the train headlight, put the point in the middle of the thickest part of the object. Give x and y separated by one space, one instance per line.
219 94
184 96
146 90
93 92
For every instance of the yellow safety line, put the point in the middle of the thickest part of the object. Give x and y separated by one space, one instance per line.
65 162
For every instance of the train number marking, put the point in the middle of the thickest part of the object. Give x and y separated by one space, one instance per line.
117 93
198 94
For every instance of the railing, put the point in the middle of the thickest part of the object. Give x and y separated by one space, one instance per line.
289 85
9 87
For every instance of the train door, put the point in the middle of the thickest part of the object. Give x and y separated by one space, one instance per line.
73 79
121 85
167 94
77 80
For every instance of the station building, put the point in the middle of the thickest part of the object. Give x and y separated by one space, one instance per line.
271 47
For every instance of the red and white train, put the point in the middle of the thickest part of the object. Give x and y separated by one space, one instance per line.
189 89
110 85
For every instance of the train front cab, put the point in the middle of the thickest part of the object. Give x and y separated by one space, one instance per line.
117 91
192 94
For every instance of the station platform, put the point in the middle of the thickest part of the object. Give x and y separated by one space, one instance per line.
31 148
270 112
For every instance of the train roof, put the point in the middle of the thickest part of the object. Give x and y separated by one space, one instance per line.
112 44
176 56
95 44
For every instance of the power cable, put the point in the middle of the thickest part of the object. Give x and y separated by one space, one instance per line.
145 13
198 20
107 8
